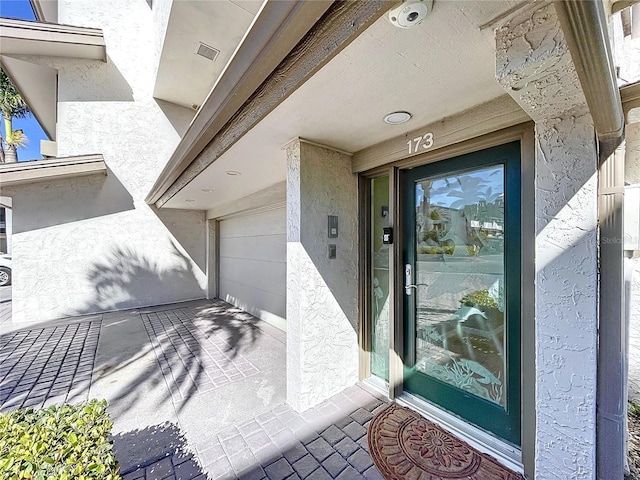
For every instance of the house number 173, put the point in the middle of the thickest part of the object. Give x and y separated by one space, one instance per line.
425 141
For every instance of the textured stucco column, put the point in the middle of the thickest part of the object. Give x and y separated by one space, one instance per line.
534 66
322 293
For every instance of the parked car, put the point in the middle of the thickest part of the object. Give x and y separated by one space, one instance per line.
5 270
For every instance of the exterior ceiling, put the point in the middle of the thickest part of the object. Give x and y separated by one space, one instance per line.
184 77
442 67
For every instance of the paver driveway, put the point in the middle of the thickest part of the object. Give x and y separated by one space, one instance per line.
195 389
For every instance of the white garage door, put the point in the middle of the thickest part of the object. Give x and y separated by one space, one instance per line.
253 264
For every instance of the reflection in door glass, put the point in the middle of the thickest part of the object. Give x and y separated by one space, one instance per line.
379 278
460 333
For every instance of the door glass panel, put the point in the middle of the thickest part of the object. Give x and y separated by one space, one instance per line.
380 302
459 274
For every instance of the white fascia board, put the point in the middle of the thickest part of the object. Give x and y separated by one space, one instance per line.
275 31
21 37
20 173
45 10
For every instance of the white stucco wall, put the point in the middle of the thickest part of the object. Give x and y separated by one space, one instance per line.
161 10
90 229
534 66
80 250
322 293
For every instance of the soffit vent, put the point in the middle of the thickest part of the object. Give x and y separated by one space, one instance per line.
207 51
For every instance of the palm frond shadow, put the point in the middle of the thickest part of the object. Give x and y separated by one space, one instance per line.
156 447
237 328
185 338
183 357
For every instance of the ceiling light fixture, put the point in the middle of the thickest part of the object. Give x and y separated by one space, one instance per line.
206 190
189 200
396 118
233 173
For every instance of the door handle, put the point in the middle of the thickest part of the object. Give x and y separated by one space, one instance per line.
408 279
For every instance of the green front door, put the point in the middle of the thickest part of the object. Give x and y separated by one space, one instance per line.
462 287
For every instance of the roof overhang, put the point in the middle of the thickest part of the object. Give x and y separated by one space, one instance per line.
591 53
38 83
185 77
21 37
340 101
45 10
275 31
12 174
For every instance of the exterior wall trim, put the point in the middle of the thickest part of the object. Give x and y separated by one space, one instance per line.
12 174
244 213
45 10
321 145
364 267
488 117
21 36
468 144
273 195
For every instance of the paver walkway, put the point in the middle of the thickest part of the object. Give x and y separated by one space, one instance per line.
174 336
47 365
5 306
196 390
326 442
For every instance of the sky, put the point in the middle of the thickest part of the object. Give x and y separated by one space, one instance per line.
22 9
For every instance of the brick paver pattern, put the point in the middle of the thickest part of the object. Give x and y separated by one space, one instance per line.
191 360
5 306
55 364
326 442
48 365
171 467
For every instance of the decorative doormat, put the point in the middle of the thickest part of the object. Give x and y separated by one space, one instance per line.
405 446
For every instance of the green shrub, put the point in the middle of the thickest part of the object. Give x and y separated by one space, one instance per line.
435 250
479 298
61 443
430 235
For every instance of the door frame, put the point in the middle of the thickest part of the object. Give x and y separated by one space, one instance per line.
505 420
521 459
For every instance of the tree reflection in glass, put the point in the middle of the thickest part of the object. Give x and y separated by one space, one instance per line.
460 267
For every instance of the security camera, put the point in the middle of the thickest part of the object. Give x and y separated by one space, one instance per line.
410 13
